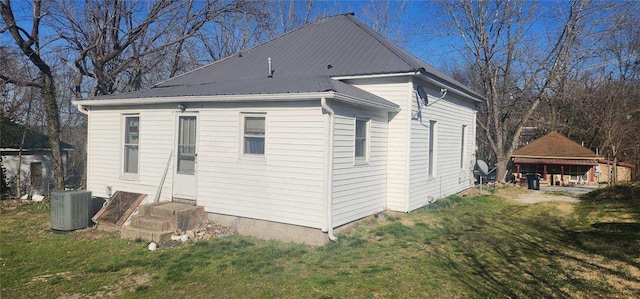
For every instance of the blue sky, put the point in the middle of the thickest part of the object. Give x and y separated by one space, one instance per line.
419 26
416 18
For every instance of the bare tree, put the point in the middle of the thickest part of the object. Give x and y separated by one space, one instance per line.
288 15
387 18
597 103
116 43
232 33
261 20
515 74
29 43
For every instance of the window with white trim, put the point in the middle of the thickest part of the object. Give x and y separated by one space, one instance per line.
361 147
253 134
432 148
463 143
131 144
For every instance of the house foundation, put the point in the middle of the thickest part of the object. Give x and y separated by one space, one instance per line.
271 230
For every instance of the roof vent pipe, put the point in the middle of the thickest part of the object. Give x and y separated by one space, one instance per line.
270 75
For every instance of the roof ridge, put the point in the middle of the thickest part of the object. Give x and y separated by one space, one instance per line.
384 41
322 19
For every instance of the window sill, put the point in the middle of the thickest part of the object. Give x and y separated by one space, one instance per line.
252 159
361 162
129 177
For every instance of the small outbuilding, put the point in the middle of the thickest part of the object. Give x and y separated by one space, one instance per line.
27 164
561 161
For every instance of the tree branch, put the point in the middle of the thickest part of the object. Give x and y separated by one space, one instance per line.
8 80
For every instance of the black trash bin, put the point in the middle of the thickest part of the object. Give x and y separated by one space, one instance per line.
533 181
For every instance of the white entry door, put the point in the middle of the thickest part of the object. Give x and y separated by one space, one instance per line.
186 166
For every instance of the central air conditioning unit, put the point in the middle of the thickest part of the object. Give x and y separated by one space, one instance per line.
70 209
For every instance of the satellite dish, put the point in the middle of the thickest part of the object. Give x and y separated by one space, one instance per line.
423 94
483 166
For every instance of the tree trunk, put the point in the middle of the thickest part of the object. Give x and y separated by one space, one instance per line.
501 171
19 169
31 49
53 129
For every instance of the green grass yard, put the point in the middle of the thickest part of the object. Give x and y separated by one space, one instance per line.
474 247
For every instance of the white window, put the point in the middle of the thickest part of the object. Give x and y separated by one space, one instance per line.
463 145
131 142
361 140
253 134
432 147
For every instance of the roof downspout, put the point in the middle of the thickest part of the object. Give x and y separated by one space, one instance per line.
407 170
329 172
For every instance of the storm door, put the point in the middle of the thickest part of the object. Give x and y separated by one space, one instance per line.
184 183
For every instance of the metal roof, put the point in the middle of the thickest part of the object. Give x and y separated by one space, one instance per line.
302 60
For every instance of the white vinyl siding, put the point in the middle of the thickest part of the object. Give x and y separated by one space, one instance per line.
284 185
359 190
104 148
397 90
450 114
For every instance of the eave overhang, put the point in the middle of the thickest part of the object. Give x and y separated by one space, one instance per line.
279 97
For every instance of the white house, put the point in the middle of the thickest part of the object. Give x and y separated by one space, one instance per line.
292 138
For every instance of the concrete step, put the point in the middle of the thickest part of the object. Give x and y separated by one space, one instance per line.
181 216
145 209
158 221
133 233
151 222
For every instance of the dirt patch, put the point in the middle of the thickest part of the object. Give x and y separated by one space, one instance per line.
128 283
537 196
47 277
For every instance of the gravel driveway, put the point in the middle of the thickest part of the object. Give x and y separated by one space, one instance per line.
569 194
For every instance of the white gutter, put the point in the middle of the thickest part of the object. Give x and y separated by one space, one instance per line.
281 97
450 88
329 172
417 73
212 98
364 102
82 109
